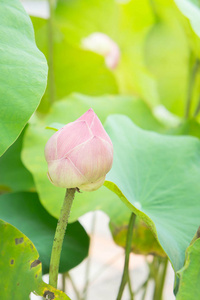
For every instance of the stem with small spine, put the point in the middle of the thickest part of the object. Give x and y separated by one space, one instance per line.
59 236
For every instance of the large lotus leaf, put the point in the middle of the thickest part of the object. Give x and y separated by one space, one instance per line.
20 267
143 240
189 274
24 211
64 112
157 177
23 72
167 54
13 175
75 70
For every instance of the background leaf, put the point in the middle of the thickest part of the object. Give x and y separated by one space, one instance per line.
166 55
191 9
157 176
23 72
20 267
82 71
14 176
143 241
189 274
24 211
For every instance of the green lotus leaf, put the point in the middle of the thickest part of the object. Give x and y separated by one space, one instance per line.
157 177
23 72
189 274
14 176
20 267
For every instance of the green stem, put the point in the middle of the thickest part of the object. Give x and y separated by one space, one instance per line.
197 109
160 280
59 236
127 254
190 88
145 289
64 282
130 288
51 52
143 286
154 10
74 287
104 268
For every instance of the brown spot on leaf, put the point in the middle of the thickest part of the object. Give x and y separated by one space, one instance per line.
17 283
35 263
12 262
19 241
49 295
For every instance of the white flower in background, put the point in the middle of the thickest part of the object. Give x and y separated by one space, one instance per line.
102 44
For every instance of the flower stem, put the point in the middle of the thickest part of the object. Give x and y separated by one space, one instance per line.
160 280
127 254
197 109
190 88
130 288
59 236
154 10
74 286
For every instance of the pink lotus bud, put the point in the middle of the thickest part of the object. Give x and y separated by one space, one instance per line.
80 154
102 44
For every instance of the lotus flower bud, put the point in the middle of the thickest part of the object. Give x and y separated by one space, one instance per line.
80 154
